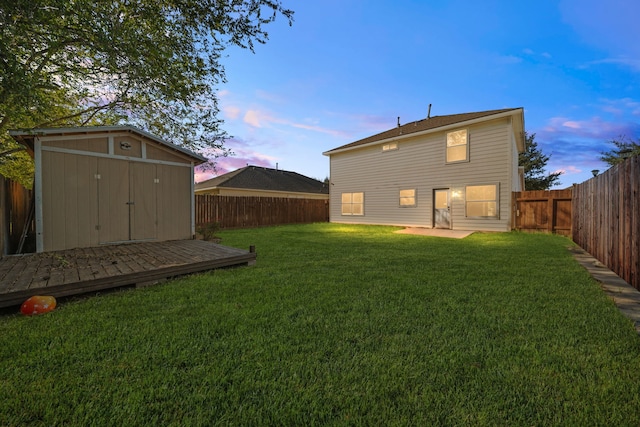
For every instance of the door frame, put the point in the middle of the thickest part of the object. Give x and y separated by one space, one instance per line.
447 191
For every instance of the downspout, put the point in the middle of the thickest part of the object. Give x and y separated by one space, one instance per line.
37 189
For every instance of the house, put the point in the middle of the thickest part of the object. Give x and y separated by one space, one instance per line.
257 181
455 171
109 184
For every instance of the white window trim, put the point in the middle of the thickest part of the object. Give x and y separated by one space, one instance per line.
497 200
342 204
390 147
415 198
446 147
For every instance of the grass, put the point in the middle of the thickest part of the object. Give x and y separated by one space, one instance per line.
337 325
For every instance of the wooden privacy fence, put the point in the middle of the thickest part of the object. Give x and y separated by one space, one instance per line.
244 212
606 219
15 215
544 211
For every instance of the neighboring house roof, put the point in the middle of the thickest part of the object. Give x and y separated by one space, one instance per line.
260 178
26 136
437 123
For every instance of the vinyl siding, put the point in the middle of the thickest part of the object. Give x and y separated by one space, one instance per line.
419 163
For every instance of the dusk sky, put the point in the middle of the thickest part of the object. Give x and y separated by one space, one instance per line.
347 69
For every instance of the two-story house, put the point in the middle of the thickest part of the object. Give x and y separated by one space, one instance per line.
455 171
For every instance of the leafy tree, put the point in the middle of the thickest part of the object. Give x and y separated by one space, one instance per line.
534 162
624 148
151 63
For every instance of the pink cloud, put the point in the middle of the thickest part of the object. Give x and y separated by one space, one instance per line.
255 118
593 128
242 156
231 112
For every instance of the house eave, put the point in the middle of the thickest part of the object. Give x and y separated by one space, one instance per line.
515 112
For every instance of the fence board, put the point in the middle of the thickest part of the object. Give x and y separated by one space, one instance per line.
245 212
15 206
605 219
544 211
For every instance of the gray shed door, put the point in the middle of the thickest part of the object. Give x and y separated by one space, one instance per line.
126 200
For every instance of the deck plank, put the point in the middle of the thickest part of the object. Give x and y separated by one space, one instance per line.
77 271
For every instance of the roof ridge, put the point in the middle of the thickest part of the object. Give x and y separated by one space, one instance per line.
425 124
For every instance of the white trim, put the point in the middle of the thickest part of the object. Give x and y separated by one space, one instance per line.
428 131
193 203
76 136
37 158
91 131
466 146
497 216
114 156
110 149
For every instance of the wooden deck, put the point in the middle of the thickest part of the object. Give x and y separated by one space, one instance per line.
78 271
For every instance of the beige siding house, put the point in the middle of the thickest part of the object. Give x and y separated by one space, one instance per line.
456 171
258 181
101 185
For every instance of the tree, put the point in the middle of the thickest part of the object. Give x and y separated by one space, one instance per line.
151 63
534 162
624 148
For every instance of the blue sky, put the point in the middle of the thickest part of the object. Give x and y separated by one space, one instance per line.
347 69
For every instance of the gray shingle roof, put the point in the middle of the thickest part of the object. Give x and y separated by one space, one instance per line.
422 125
260 178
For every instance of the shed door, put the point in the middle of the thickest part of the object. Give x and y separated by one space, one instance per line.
126 200
113 199
441 209
143 201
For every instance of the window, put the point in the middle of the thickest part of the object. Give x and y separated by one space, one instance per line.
457 146
407 198
390 146
352 203
482 201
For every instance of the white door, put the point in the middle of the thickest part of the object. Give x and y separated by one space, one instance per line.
441 209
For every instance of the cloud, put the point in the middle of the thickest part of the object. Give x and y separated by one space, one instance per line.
575 146
531 52
231 112
255 118
633 64
261 119
243 155
594 128
621 107
610 25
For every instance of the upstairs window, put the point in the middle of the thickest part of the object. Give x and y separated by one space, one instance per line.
352 203
390 146
457 146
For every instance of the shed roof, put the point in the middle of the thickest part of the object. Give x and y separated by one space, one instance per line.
261 178
436 123
26 136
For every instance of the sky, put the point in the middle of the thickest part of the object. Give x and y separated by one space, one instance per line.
347 69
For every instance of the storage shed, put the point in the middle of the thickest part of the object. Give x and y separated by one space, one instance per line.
102 185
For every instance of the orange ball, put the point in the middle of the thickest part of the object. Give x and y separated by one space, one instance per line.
38 304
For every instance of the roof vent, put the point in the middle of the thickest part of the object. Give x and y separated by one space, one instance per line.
429 112
398 121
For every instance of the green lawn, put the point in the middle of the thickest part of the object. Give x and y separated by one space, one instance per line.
337 325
